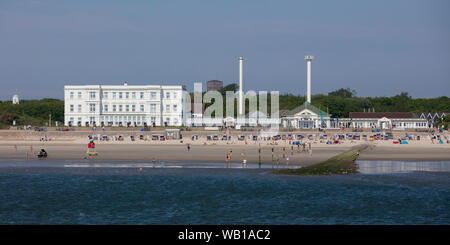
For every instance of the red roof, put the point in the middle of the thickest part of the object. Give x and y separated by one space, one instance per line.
380 114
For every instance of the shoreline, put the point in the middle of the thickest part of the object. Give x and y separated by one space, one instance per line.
73 146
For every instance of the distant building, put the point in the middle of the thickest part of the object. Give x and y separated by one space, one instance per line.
15 99
383 120
123 105
214 85
305 116
433 118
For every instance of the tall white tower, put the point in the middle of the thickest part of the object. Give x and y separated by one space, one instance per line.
308 59
241 77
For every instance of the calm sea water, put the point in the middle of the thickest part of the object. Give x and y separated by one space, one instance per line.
45 192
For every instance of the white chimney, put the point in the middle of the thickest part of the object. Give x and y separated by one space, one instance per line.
125 84
308 59
241 76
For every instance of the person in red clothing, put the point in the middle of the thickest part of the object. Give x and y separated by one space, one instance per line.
91 146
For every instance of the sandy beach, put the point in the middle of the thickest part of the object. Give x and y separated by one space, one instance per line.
166 152
411 152
73 145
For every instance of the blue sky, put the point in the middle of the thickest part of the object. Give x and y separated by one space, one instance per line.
378 48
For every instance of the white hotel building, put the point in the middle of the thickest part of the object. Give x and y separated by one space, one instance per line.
123 105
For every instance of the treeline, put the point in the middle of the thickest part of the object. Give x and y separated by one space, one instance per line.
342 101
31 112
338 103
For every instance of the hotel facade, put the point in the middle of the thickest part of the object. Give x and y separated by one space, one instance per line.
123 105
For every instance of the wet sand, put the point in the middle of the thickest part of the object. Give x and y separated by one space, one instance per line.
197 153
73 145
411 152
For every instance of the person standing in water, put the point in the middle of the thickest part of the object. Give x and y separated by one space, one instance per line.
244 161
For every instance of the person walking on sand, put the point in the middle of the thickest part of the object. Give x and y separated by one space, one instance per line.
188 147
153 162
310 152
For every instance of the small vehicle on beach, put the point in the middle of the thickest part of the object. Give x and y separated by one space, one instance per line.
241 137
215 137
41 154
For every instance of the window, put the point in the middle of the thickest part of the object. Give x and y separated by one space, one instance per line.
142 108
105 95
114 108
127 95
142 95
167 95
79 120
167 108
120 95
168 120
71 120
71 95
174 95
92 107
153 95
133 108
152 107
91 95
153 119
127 108
120 108
174 108
114 95
79 108
133 95
71 108
105 108
79 95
